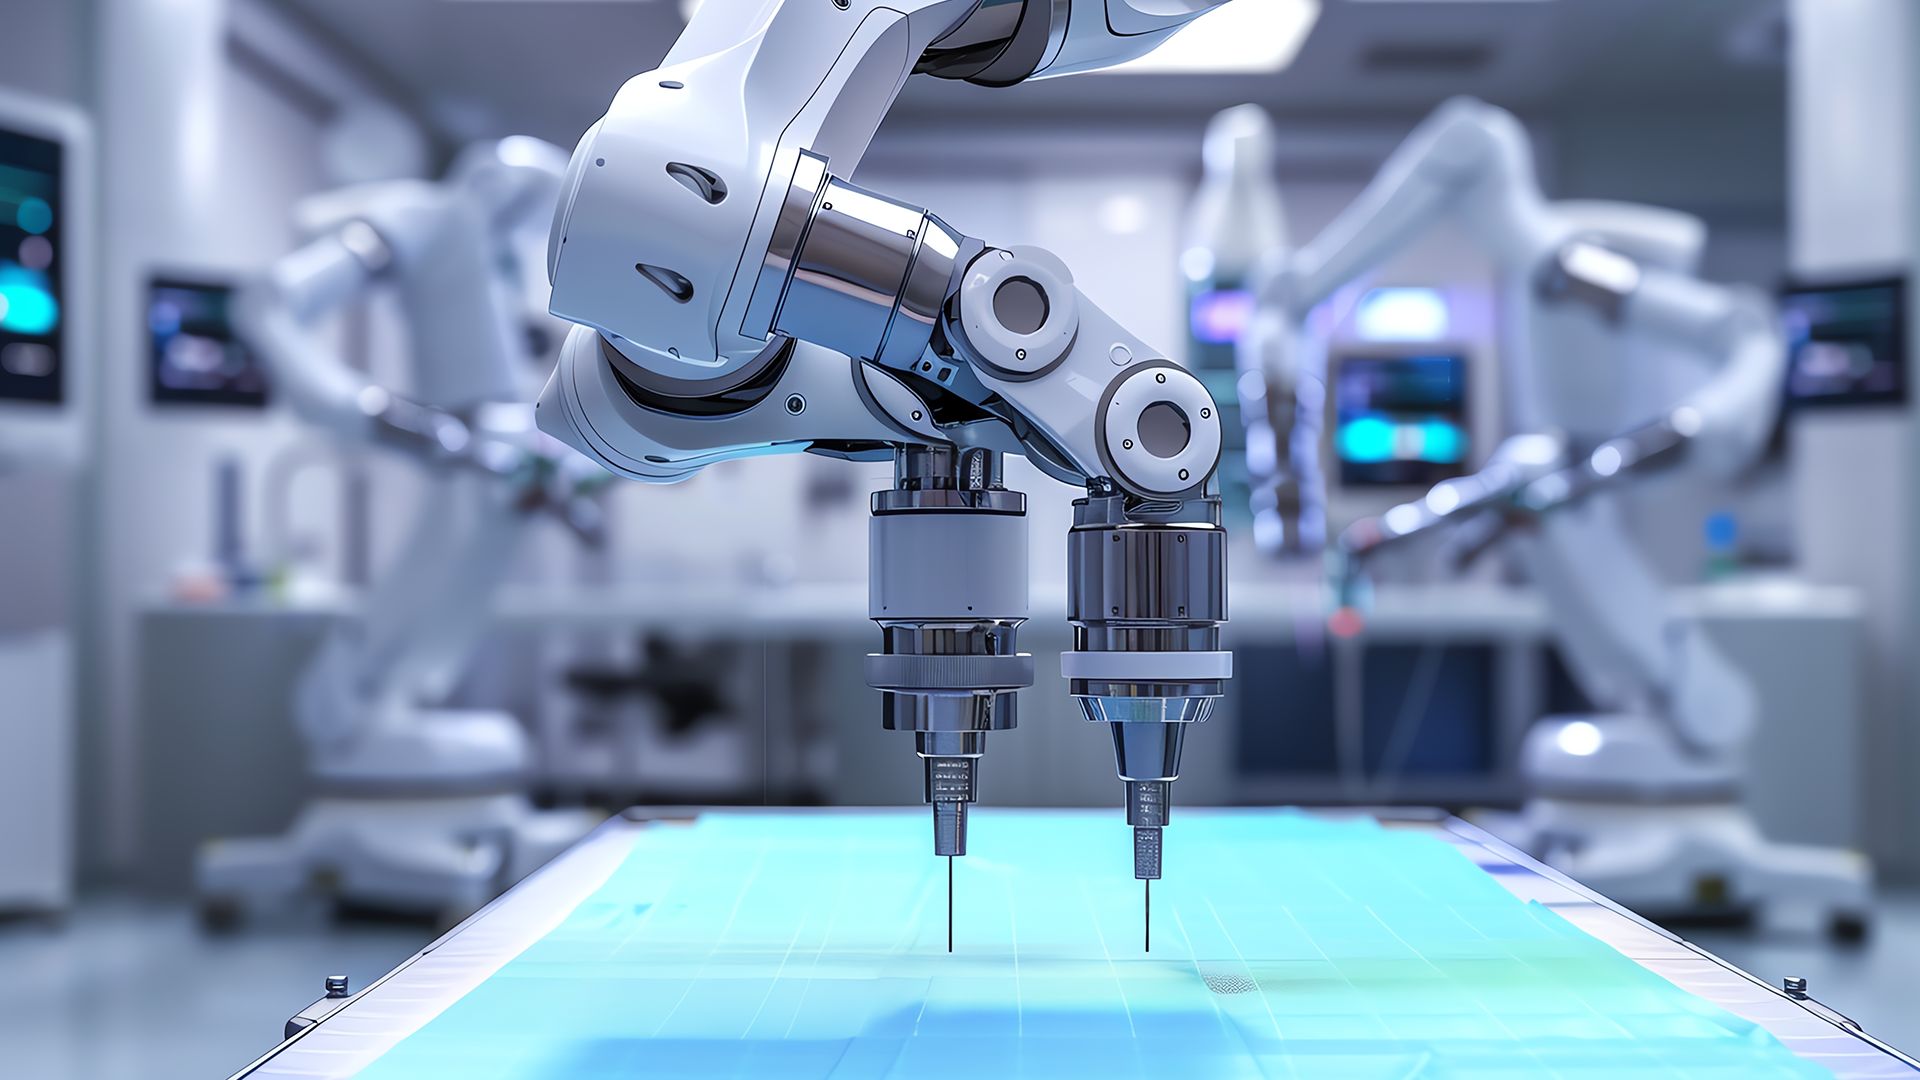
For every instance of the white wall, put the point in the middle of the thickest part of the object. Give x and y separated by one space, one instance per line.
202 162
1850 214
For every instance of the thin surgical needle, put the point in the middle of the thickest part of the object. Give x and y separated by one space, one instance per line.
1147 922
949 903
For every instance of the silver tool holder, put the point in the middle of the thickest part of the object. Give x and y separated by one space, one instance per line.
1146 593
947 582
853 270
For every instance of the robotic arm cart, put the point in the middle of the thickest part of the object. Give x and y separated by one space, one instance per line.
738 296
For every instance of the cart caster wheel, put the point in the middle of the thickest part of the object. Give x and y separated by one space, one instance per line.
219 914
1848 927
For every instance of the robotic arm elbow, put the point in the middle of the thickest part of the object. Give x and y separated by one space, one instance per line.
276 314
1729 419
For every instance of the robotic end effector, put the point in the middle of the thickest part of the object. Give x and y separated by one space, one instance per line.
725 294
1003 331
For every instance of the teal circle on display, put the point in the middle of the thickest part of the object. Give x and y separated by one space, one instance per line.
34 215
27 306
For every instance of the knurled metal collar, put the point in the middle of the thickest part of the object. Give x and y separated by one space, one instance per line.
902 500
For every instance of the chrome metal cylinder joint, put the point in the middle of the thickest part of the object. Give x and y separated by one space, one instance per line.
852 270
947 583
1146 593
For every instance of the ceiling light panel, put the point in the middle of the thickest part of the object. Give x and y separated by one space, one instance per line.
1243 37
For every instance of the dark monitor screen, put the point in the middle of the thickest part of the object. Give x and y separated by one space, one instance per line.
196 357
1400 420
1846 344
31 345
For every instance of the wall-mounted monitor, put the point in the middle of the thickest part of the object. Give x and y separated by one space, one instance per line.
195 356
32 233
1400 419
1846 343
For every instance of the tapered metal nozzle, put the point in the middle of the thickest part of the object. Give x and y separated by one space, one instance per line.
949 828
952 783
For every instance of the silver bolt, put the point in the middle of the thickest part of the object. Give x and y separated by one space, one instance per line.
1796 987
336 986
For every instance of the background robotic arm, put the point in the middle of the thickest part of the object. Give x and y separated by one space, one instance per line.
739 296
441 246
1620 266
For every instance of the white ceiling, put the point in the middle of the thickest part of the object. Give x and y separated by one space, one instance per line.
548 67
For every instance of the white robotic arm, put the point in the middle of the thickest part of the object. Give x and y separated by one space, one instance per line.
739 296
1467 159
1616 261
1728 419
440 247
278 318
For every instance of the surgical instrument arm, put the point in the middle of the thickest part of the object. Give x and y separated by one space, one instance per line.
738 296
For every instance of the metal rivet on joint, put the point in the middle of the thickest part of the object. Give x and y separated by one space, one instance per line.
826 206
1020 354
1183 474
1205 413
1116 609
796 404
1180 538
1126 444
916 414
599 161
1162 377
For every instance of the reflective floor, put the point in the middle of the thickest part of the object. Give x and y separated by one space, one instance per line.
127 990
134 991
1876 983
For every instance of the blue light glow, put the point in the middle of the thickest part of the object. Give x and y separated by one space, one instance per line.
1369 440
1402 314
34 215
1220 316
27 305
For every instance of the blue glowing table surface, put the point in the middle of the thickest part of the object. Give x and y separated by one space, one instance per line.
1284 945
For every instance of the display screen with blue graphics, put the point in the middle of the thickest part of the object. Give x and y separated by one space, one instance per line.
30 236
196 356
1400 420
1283 946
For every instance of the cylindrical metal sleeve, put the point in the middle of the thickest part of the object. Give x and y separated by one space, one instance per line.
1170 573
924 292
931 565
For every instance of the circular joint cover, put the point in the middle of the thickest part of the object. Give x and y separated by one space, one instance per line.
1158 430
1019 311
